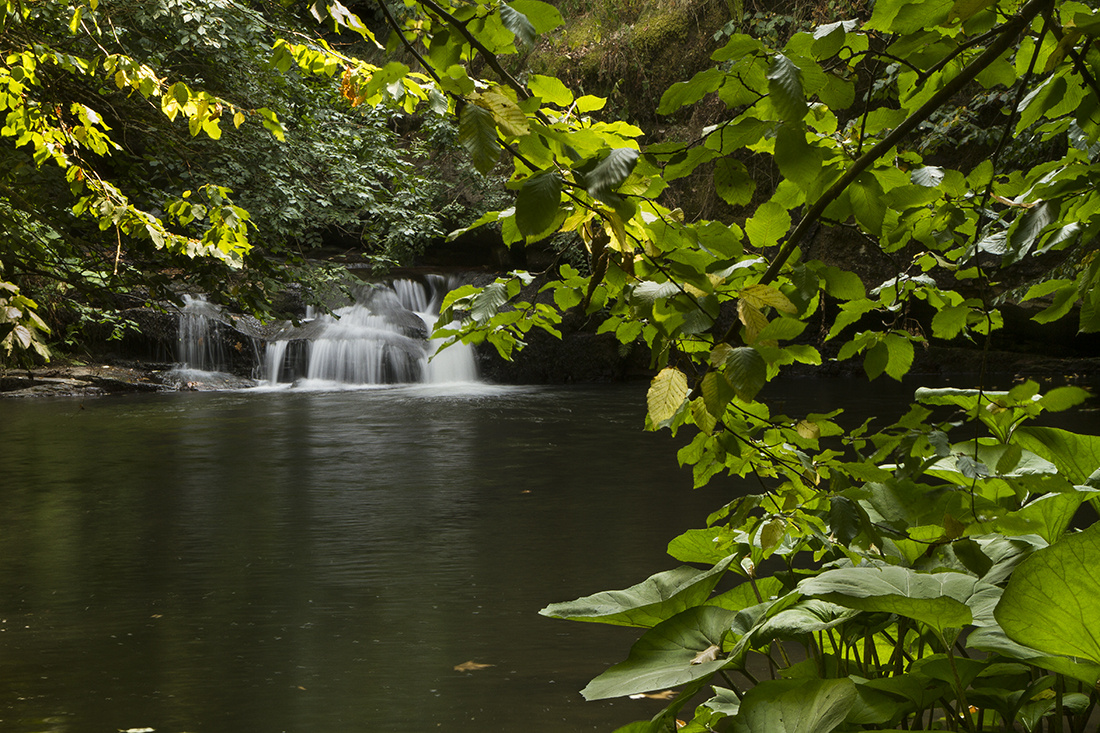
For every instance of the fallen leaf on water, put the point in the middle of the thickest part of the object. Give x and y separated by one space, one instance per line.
707 655
666 695
470 666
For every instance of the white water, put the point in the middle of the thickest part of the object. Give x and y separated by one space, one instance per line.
198 346
369 343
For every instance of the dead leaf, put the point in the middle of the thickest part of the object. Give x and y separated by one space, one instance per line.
471 666
707 655
666 695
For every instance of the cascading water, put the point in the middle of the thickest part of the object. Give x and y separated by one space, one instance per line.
199 346
382 338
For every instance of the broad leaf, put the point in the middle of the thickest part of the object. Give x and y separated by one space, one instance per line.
660 597
795 706
667 393
938 600
477 134
785 89
662 657
537 203
1052 600
747 371
610 172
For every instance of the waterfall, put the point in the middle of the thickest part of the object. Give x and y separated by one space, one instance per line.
381 338
199 345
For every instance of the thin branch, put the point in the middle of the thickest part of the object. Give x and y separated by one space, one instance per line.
1008 34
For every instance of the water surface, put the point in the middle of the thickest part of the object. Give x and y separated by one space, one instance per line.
320 561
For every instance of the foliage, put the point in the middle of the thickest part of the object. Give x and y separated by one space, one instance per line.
888 555
147 147
907 562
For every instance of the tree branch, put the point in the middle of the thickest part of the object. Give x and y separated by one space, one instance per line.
1008 34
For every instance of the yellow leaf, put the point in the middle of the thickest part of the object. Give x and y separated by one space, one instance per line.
808 430
753 320
471 666
760 296
667 393
238 119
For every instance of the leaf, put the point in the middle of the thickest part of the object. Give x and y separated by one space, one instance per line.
785 89
550 89
662 657
477 134
537 203
518 23
746 371
900 355
732 182
1077 456
611 172
646 604
471 666
842 284
795 706
543 16
868 202
770 222
938 600
1052 600
509 117
667 393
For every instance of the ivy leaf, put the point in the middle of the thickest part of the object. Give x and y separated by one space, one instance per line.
477 134
746 371
1052 599
518 23
785 89
667 392
537 203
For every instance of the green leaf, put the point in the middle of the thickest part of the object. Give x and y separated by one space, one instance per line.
518 23
550 89
667 393
747 371
717 393
770 222
610 172
868 202
537 203
785 89
543 16
938 600
662 657
1077 456
683 93
732 182
508 116
646 604
1052 600
795 706
842 284
477 134
900 355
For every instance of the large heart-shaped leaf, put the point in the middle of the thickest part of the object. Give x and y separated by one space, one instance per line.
795 706
670 654
1052 600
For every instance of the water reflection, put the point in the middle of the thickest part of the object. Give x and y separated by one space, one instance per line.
321 561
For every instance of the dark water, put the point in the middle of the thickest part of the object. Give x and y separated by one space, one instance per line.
321 561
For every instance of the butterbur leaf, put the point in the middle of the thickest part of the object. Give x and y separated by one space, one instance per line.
785 89
1052 601
795 706
537 203
667 392
663 657
646 604
477 134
